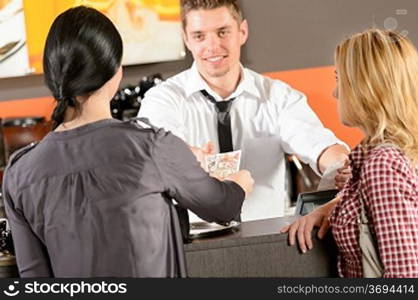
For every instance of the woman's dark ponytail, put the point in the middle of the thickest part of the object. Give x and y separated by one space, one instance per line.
58 114
83 51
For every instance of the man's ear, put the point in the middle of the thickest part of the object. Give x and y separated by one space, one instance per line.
243 28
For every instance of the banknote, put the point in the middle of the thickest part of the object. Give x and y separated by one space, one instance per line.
223 164
327 181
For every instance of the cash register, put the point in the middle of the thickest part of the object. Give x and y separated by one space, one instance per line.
307 202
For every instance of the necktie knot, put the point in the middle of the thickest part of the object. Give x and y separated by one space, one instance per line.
224 106
221 106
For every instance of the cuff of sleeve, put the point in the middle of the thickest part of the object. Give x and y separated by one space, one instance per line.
319 149
238 188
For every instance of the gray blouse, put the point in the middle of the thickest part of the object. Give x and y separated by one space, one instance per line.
95 201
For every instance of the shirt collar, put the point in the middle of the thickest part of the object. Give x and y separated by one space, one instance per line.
197 83
357 157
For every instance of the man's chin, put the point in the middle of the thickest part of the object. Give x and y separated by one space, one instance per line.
217 73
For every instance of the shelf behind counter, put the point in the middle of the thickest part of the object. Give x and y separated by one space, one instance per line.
258 249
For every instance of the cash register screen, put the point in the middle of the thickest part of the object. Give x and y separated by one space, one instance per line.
307 202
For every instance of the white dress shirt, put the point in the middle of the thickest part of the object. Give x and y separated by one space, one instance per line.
268 119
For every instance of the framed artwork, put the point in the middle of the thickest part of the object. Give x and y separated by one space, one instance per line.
13 48
150 30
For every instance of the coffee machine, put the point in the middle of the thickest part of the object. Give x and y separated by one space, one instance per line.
127 101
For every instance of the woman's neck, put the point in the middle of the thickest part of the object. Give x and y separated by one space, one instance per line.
93 108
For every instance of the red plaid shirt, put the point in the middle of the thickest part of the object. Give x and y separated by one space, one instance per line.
388 183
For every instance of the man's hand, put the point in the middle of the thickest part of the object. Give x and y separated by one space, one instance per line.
200 153
332 155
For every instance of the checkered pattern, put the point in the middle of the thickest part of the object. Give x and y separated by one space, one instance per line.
388 183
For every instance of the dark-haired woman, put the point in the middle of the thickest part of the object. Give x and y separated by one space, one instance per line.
93 198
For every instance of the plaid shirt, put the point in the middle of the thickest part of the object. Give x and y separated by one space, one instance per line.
384 177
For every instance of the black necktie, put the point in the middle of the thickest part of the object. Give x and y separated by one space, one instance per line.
224 122
224 127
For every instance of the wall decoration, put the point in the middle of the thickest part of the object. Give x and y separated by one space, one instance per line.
13 48
150 29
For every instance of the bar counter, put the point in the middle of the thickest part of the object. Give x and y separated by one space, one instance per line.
258 249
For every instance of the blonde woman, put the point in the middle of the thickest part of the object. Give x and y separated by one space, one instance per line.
377 75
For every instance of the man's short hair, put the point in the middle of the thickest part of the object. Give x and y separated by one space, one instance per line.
189 5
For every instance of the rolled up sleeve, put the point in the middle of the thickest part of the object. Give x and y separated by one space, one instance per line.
301 131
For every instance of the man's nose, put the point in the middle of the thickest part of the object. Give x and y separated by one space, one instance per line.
213 42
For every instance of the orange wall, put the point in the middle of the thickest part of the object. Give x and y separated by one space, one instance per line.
316 83
42 107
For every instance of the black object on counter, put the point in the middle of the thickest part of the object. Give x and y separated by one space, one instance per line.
6 240
127 101
307 202
206 230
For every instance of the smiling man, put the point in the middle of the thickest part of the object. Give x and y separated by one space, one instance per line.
219 100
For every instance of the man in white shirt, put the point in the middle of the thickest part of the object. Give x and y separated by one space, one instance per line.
267 117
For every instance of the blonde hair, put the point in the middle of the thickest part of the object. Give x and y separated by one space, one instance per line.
378 77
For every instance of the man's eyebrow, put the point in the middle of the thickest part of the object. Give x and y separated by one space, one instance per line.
217 29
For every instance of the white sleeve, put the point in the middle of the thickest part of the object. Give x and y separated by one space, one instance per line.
161 105
301 131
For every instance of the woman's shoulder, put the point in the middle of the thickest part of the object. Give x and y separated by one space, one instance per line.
14 167
386 159
138 129
140 133
143 127
387 154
